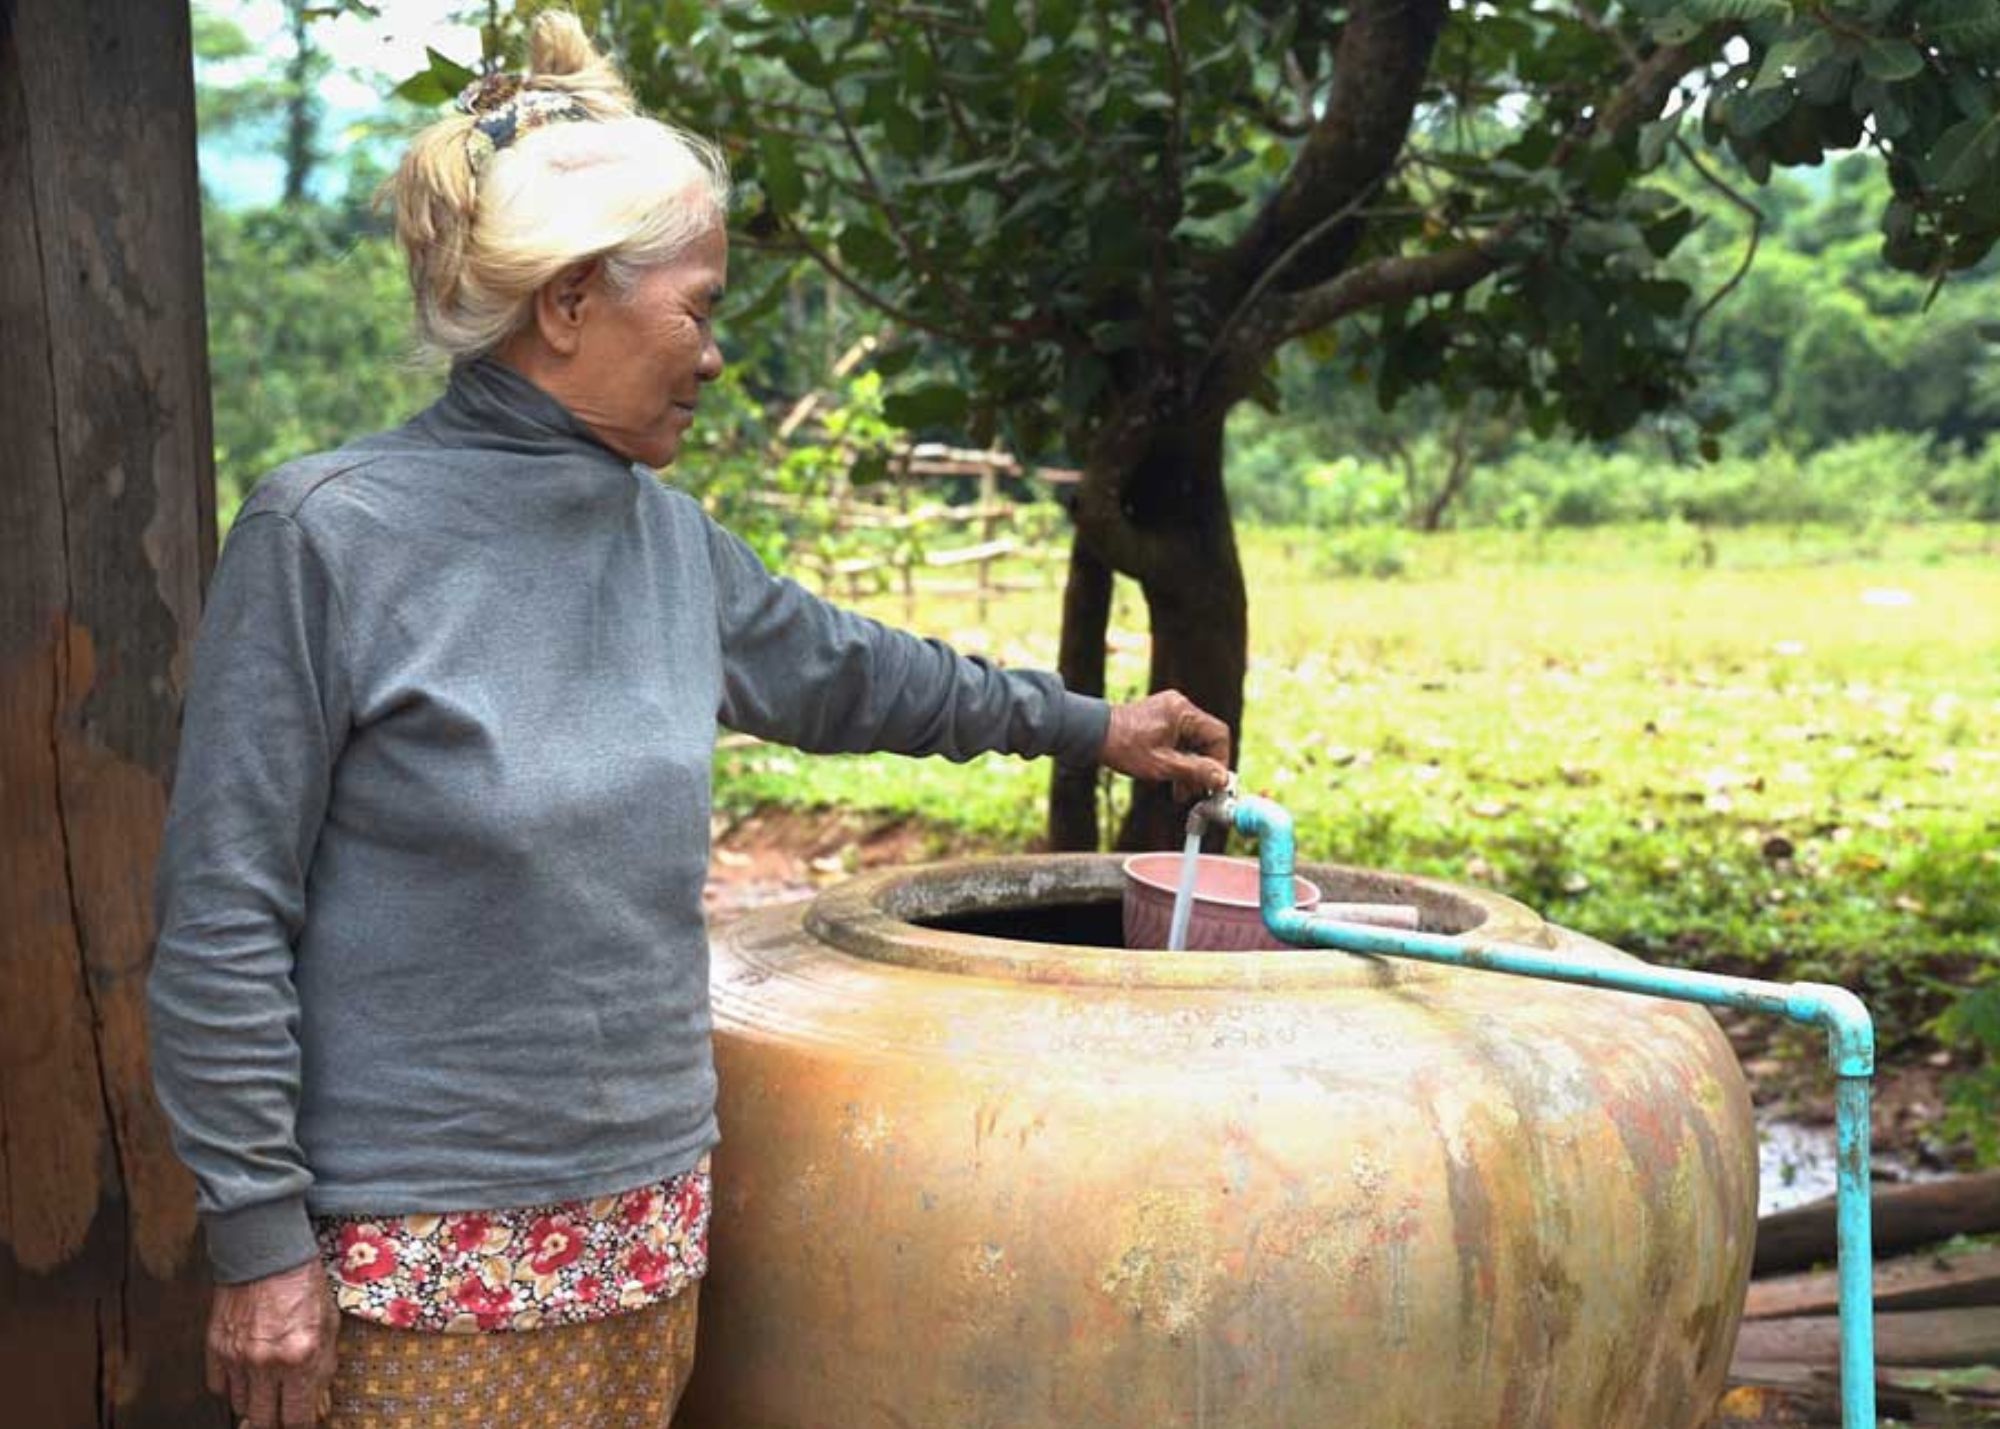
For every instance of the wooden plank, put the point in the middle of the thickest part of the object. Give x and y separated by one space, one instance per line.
1910 1283
984 551
107 528
1906 1218
1779 1396
1928 1338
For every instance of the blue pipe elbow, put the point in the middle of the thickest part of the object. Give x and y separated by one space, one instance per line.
1849 1028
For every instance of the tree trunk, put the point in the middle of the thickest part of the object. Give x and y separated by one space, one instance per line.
107 528
1431 519
1086 620
1200 627
301 107
1192 580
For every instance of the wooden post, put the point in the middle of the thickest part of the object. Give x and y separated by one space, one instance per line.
906 550
107 531
989 524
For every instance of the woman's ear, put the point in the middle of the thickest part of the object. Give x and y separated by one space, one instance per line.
563 305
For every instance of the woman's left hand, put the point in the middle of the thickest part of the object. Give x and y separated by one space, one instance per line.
1167 737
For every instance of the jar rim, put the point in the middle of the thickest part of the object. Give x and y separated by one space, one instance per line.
894 915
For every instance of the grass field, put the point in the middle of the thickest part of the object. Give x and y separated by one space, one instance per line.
1766 750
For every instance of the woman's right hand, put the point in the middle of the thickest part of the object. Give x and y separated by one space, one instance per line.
271 1347
1168 738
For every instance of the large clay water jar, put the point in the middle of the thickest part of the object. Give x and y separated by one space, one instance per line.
982 1167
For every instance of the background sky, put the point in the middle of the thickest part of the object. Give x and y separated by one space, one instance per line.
371 57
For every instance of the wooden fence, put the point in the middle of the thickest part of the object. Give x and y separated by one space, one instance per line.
919 537
914 538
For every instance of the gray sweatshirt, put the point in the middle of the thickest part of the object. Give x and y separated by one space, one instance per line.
431 933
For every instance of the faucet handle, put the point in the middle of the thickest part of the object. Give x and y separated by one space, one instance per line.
1219 807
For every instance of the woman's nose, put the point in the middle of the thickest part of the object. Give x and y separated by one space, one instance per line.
710 366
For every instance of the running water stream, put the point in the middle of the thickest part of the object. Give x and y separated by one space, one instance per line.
1184 893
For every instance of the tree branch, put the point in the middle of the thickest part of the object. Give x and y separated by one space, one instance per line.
1399 277
1221 347
911 252
1756 215
1379 67
1396 279
796 241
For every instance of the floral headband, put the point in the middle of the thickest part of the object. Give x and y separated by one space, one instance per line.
503 108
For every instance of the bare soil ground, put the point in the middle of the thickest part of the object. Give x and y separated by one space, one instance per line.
779 855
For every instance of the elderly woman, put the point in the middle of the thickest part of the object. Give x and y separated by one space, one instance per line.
430 1009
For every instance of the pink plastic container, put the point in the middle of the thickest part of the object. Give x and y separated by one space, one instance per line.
1225 916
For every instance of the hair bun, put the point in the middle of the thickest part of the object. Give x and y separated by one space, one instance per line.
557 45
562 58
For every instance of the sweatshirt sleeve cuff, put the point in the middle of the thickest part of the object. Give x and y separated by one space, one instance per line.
1080 730
259 1240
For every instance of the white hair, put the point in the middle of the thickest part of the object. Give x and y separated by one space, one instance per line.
484 230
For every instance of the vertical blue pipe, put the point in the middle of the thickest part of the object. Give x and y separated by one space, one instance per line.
1850 1035
1857 1249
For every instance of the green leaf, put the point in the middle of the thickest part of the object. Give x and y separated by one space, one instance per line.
1206 199
1003 27
1964 154
1871 96
956 174
805 61
1799 54
424 88
1116 335
1890 60
1973 97
1752 112
1656 136
937 405
451 74
894 360
1663 297
778 170
1974 1018
1735 12
868 250
904 131
1600 237
1083 378
1969 27
1665 233
1830 82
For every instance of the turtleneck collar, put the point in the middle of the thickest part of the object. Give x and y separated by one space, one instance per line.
489 405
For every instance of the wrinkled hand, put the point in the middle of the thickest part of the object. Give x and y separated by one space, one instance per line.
1168 737
271 1347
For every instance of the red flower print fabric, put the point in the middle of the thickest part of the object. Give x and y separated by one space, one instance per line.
523 1268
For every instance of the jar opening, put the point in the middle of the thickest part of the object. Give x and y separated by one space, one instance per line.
1059 918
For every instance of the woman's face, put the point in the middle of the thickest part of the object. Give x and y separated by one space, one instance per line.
640 361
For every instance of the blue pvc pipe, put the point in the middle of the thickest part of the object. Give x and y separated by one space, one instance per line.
1850 1035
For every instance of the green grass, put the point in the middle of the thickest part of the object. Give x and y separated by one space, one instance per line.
1779 753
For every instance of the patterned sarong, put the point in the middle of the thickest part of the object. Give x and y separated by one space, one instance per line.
624 1372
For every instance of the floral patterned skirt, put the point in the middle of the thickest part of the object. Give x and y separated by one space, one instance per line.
523 1267
626 1371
